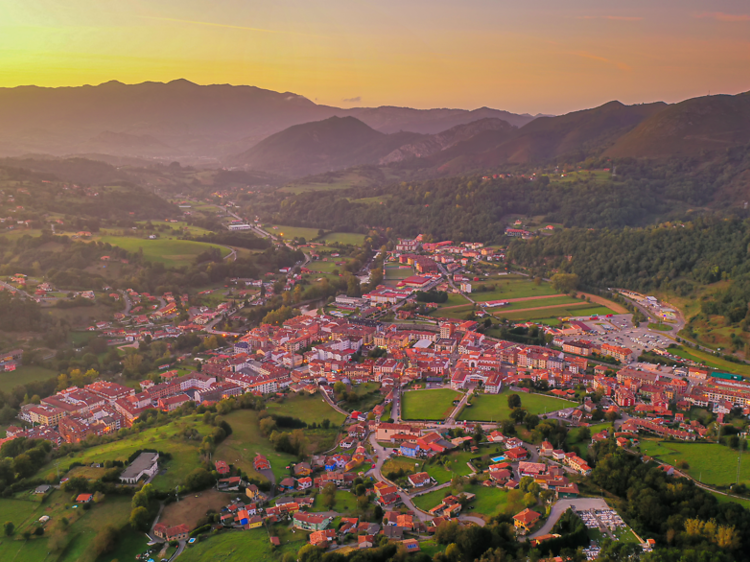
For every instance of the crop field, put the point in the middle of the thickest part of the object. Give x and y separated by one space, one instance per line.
24 375
710 463
310 409
175 253
494 407
434 404
240 546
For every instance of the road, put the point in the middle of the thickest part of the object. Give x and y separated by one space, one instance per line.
14 290
457 410
562 506
333 405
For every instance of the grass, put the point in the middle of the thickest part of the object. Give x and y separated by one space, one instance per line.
246 440
660 327
434 404
394 272
24 375
185 454
454 299
174 253
240 546
399 463
711 361
710 463
488 501
726 499
458 313
289 233
346 502
309 409
538 303
582 309
494 407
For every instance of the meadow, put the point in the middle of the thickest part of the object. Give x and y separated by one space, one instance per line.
310 409
173 253
24 375
710 463
582 309
289 233
488 501
435 404
240 546
494 407
712 361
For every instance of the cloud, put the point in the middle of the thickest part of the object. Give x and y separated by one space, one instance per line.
620 65
721 16
612 18
224 25
352 100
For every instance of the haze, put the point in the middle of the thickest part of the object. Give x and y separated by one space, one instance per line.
547 56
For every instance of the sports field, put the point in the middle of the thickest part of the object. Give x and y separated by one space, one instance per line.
434 404
710 463
174 253
494 407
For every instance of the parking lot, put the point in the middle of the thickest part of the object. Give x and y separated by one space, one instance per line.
618 330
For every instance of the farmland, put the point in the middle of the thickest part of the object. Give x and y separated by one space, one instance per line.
494 407
240 546
174 253
434 404
710 463
291 232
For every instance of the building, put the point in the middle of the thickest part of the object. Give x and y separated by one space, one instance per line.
176 533
310 521
146 464
525 520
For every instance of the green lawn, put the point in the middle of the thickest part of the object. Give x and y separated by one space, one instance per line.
726 499
582 309
435 404
24 375
400 463
537 303
240 546
175 253
429 500
711 463
458 313
346 502
512 288
345 238
488 501
454 299
395 272
661 327
309 409
494 407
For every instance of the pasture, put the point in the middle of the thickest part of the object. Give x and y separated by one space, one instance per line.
494 407
240 546
173 253
710 463
24 375
434 404
309 409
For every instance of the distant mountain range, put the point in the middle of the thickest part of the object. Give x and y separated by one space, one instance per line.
289 135
185 121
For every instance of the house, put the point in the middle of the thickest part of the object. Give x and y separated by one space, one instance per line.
84 498
305 483
412 545
318 538
145 464
176 533
419 479
516 454
496 437
365 541
288 483
546 449
222 468
525 520
393 533
409 449
261 463
302 469
310 521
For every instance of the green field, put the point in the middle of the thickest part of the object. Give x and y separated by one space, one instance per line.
310 409
711 361
174 253
514 289
434 404
494 407
246 440
583 309
659 327
399 463
24 375
240 546
396 273
537 303
291 232
457 313
346 502
454 299
185 454
710 463
488 501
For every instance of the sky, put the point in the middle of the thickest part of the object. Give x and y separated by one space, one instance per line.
536 56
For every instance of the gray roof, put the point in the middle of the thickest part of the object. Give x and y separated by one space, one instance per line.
141 463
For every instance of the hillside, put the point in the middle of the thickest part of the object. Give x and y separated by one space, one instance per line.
441 142
183 120
574 135
689 128
321 146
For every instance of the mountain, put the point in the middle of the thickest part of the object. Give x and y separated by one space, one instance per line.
321 146
440 142
689 128
183 120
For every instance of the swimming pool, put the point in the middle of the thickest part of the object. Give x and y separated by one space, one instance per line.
498 459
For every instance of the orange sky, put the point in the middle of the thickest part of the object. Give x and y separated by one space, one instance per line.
550 57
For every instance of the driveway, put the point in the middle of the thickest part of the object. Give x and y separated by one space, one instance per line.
562 506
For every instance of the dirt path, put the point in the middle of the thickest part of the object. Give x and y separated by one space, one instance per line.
616 308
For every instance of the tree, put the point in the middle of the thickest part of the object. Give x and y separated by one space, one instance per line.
514 401
9 528
140 519
564 282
